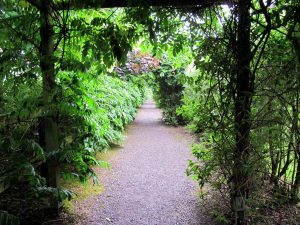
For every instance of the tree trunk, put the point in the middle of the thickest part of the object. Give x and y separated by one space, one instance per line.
296 185
296 44
244 93
296 130
273 156
48 125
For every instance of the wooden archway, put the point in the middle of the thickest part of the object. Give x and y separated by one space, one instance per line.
244 81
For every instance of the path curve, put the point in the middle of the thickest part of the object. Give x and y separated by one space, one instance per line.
147 184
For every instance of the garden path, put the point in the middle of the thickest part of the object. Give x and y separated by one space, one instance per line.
147 184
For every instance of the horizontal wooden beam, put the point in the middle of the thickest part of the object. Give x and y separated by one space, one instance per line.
89 4
9 119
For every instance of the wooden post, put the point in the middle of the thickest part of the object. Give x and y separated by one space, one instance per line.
244 93
48 126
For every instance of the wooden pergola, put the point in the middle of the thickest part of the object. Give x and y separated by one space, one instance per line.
88 4
243 83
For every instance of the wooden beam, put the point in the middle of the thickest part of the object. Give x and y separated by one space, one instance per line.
89 4
12 119
36 3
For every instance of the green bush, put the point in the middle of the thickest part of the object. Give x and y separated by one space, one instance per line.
94 113
168 92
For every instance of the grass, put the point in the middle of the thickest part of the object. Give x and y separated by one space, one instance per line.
83 191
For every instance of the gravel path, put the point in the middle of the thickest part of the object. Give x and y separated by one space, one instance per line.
147 184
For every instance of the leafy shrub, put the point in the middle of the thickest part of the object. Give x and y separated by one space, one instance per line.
92 113
168 92
8 219
93 116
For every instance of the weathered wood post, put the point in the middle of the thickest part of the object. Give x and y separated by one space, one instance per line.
48 131
244 93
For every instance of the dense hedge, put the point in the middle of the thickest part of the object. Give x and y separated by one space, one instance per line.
92 112
96 117
168 92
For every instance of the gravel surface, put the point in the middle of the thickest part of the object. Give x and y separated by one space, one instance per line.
147 184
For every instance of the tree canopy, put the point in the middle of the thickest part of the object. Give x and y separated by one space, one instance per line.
72 78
